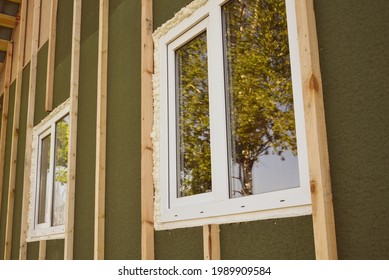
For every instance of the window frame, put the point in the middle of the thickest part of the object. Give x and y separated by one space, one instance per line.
217 207
46 127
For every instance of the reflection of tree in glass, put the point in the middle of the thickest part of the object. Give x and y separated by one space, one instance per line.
61 153
193 118
61 171
259 83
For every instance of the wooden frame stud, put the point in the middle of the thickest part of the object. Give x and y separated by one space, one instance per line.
101 131
147 186
319 170
74 86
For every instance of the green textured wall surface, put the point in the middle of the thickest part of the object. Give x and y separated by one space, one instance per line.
163 10
288 238
4 203
20 166
32 250
86 151
55 249
40 95
122 223
179 244
64 31
354 61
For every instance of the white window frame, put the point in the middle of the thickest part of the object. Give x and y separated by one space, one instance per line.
216 206
47 127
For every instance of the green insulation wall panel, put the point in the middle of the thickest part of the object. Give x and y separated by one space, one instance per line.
165 10
289 238
122 223
179 244
64 31
4 203
355 68
33 251
86 150
20 165
40 95
55 249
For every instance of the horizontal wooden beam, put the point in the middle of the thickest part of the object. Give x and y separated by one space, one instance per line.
7 21
3 45
15 1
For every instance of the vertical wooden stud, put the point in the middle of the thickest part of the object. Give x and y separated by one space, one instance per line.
319 170
4 117
211 241
15 130
74 86
147 187
42 250
29 128
51 56
101 128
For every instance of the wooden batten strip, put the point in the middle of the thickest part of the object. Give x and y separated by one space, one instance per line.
101 131
147 186
29 128
42 250
4 116
51 56
7 20
3 45
211 241
15 131
74 86
15 1
319 170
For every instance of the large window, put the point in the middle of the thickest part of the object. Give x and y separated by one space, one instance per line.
50 175
232 138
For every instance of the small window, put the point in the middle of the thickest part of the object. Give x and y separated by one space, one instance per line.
231 131
50 175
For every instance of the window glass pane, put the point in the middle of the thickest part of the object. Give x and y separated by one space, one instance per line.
262 139
43 178
61 171
194 152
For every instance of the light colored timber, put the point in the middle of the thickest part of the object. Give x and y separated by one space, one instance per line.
211 241
147 187
7 21
4 116
15 132
51 56
29 130
15 1
319 169
101 129
42 250
74 86
3 45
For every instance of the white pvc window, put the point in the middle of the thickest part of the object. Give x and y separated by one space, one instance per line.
232 131
49 180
